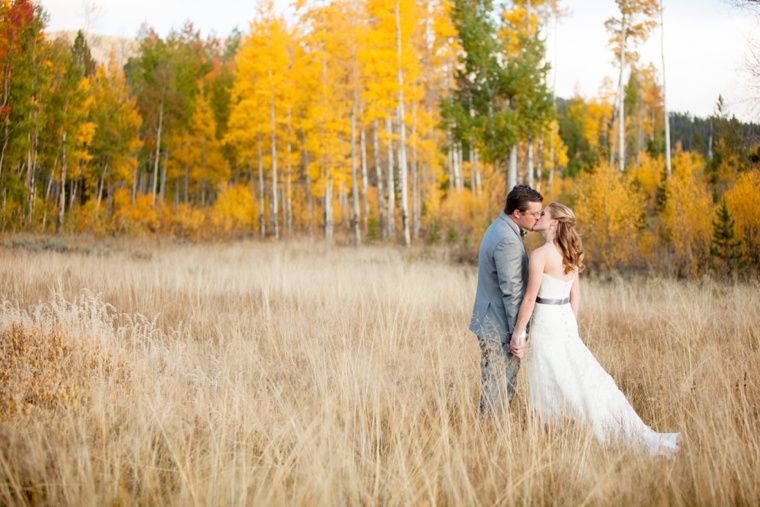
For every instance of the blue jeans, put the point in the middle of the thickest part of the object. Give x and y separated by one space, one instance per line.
498 372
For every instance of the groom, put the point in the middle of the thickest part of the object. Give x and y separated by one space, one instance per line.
502 279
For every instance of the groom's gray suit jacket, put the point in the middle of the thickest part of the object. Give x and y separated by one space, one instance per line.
502 278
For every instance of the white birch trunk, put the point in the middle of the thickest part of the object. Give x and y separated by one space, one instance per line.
380 185
288 180
460 167
309 196
30 182
355 221
476 170
162 191
275 226
158 148
613 146
529 162
621 95
550 181
391 211
62 202
262 206
416 208
328 207
540 160
365 180
512 169
455 166
402 131
452 177
102 184
664 92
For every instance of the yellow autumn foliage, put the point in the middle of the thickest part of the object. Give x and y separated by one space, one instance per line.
234 212
89 218
648 174
609 211
187 221
742 201
687 214
134 217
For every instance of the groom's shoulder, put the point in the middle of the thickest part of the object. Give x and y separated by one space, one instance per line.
500 231
498 227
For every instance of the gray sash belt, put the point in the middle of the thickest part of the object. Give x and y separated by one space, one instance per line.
544 301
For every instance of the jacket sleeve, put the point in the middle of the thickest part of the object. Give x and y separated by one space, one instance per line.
508 257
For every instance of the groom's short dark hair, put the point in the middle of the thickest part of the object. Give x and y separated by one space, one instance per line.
519 197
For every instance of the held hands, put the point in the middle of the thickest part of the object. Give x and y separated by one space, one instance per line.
517 345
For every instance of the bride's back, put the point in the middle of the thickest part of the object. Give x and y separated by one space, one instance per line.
554 266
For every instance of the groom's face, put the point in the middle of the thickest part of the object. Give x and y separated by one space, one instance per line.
527 219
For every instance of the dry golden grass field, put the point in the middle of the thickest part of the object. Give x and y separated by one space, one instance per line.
157 373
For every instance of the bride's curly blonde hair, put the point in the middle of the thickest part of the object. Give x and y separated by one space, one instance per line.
567 240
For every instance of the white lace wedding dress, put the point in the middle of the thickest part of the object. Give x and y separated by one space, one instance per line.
566 382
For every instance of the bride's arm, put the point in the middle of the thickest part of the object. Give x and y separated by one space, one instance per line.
536 265
575 294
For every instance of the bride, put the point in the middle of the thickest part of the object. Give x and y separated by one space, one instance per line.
564 379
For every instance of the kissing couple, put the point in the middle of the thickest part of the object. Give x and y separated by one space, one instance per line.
565 382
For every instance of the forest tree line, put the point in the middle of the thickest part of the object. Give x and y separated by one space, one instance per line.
367 120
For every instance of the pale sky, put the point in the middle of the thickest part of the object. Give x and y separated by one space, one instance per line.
706 42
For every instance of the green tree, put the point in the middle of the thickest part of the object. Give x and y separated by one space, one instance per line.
501 95
479 113
728 153
165 77
21 43
83 55
724 247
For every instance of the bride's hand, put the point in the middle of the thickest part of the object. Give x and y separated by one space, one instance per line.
517 345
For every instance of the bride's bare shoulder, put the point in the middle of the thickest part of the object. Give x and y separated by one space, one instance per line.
541 252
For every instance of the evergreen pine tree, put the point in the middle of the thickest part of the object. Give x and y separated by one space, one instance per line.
83 56
724 247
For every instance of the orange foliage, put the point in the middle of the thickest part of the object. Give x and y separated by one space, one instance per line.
136 217
90 218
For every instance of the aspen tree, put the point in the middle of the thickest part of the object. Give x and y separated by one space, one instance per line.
525 50
666 119
196 155
355 34
262 93
328 132
440 49
381 210
116 139
390 212
364 169
403 169
71 101
626 32
393 80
